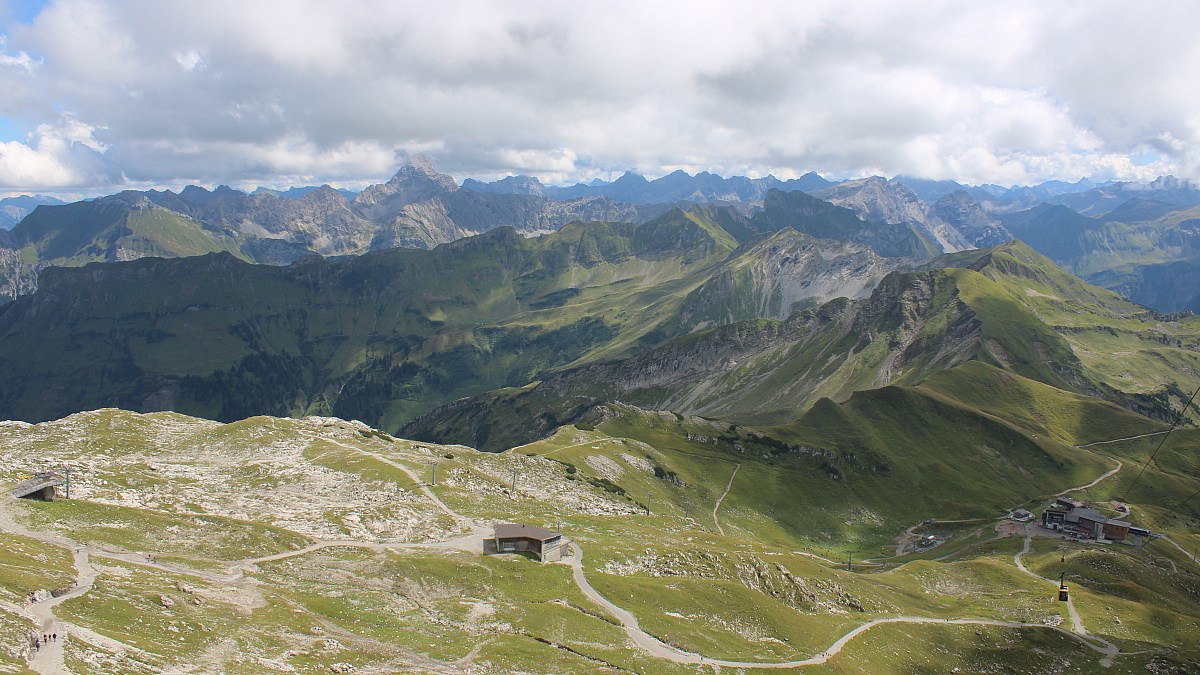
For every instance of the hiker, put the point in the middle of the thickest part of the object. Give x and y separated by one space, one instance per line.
54 636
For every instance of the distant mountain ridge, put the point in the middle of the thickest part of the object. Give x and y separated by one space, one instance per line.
416 208
421 208
14 209
678 186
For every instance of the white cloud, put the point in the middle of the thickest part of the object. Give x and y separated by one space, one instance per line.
61 155
226 91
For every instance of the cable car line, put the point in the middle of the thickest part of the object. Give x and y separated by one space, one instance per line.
1178 419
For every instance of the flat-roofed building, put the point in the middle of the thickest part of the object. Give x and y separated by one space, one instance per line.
518 538
44 486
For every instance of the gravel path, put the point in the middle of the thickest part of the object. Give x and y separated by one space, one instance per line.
1098 644
717 506
50 658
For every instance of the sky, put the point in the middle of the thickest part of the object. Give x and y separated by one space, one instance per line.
100 95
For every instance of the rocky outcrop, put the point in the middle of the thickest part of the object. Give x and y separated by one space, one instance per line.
415 182
965 214
777 275
912 324
826 220
879 200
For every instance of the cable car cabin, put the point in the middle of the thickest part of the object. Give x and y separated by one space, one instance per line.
1062 594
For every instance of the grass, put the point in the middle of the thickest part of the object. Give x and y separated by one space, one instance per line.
1134 597
126 603
28 565
748 593
131 529
932 648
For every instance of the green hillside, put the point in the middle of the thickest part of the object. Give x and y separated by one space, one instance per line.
108 231
1146 251
383 337
322 545
1006 306
389 336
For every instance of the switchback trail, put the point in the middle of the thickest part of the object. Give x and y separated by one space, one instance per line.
657 648
717 506
1109 649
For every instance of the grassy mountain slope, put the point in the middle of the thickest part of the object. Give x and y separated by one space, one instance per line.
76 234
742 555
388 336
385 336
1143 250
1007 306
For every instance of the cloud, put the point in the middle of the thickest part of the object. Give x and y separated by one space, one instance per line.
312 91
62 155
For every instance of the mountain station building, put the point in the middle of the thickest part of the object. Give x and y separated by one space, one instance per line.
1072 516
546 544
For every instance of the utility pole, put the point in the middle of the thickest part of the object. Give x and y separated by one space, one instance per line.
514 483
67 473
434 466
649 497
850 561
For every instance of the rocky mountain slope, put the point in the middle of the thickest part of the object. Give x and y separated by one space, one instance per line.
1006 306
321 545
417 208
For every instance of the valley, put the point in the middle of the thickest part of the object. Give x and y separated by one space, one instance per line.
733 415
568 338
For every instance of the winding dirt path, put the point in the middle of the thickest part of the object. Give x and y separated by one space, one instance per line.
1098 644
717 506
458 518
657 648
50 660
1102 477
1181 550
1118 440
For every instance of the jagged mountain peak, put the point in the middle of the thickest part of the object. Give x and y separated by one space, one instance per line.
413 182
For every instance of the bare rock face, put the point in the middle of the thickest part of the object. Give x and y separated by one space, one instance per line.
416 182
966 215
17 277
786 272
322 221
880 200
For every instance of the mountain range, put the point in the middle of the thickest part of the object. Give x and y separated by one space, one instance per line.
390 336
420 208
718 398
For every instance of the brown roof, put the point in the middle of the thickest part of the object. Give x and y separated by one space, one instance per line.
515 531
